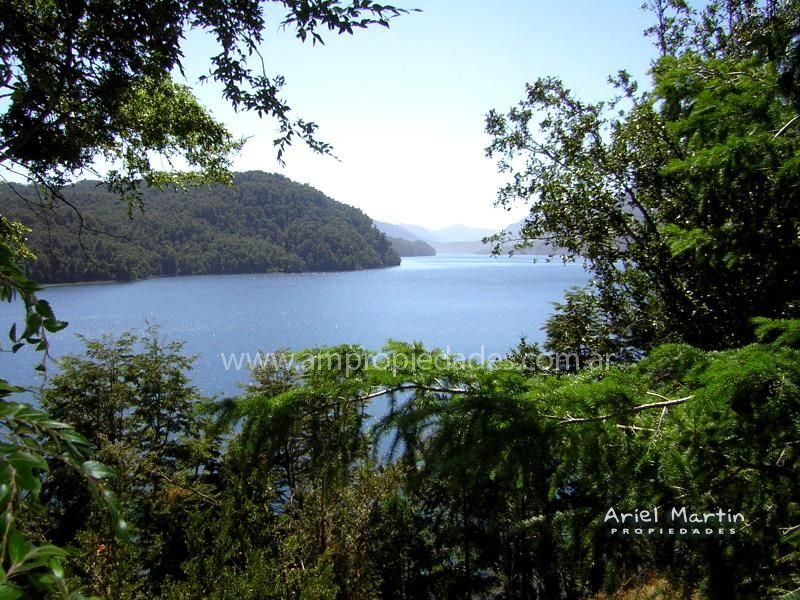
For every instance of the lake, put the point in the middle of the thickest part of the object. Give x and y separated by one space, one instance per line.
467 304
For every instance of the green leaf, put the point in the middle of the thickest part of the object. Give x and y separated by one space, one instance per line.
18 547
44 309
97 470
25 460
9 591
54 325
56 568
44 581
41 556
74 437
6 389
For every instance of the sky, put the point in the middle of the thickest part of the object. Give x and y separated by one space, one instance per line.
404 107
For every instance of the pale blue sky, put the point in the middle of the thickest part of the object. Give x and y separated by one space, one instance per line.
404 107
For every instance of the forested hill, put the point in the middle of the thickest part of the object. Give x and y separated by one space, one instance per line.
412 248
265 222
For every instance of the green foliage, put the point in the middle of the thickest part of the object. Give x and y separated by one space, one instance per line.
131 398
31 440
683 199
39 317
264 223
778 333
411 248
81 83
92 80
584 330
478 481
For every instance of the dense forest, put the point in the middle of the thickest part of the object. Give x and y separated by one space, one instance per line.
412 248
478 482
261 223
649 449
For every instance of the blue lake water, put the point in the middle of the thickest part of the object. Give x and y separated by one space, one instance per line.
471 305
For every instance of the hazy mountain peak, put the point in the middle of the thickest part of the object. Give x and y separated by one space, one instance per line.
451 233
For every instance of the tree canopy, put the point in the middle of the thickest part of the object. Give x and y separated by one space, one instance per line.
93 79
408 473
261 223
411 248
473 480
683 196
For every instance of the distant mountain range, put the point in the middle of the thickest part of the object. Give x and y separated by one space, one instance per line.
446 235
455 239
396 231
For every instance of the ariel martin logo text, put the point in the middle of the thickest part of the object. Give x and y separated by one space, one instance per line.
676 521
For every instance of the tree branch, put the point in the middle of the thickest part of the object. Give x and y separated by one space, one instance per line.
165 477
413 386
785 127
665 403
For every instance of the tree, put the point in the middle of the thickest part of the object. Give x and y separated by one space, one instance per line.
497 484
92 79
88 80
258 225
683 199
130 397
300 489
510 474
32 442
